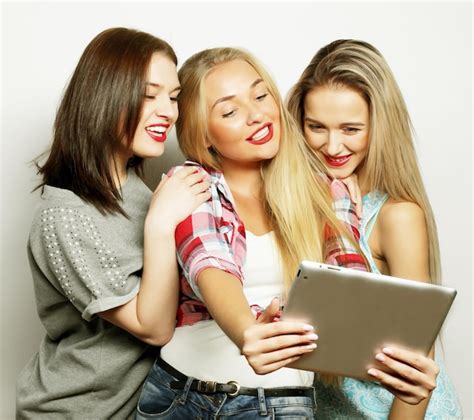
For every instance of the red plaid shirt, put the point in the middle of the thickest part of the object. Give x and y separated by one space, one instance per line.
214 237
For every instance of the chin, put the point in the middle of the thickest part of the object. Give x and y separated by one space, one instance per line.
150 152
340 174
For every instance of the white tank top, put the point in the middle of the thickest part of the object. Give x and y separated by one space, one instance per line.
203 351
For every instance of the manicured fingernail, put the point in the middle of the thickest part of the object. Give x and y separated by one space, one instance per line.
311 346
312 336
388 350
372 372
307 327
380 357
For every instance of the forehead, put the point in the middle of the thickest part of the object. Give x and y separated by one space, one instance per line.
162 71
330 103
231 78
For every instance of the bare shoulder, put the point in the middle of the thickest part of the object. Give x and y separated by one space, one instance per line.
401 214
404 239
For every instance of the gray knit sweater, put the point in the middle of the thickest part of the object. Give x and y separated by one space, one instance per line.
82 263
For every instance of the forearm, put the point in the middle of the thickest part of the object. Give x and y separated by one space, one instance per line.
224 298
157 300
150 316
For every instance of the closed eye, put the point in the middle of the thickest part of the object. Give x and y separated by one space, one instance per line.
229 114
351 130
262 97
316 127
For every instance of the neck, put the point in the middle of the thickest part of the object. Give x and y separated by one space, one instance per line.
244 180
118 169
363 182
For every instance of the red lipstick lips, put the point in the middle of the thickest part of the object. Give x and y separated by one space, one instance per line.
262 135
157 132
337 162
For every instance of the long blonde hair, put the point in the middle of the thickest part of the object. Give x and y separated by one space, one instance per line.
391 164
297 199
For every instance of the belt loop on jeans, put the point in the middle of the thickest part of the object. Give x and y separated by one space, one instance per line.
184 396
261 402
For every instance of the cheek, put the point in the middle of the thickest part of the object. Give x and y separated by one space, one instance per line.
228 130
221 134
314 140
175 114
361 145
275 111
215 131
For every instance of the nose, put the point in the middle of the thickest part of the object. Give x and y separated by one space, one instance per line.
255 114
166 109
334 143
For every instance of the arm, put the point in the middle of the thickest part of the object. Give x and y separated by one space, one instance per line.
404 246
211 263
150 316
267 345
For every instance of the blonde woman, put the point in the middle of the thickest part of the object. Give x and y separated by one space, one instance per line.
352 114
241 249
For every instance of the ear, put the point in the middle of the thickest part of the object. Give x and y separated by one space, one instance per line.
207 143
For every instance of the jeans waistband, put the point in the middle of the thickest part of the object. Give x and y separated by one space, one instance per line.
231 388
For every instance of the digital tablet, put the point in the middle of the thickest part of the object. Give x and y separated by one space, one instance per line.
356 314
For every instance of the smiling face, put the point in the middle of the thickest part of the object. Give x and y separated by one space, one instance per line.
336 125
243 117
160 107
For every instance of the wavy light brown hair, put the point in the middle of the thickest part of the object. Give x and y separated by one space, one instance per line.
101 106
391 164
292 186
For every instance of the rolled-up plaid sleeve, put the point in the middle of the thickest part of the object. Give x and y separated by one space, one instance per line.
211 237
201 244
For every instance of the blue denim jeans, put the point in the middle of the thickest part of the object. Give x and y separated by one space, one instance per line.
159 401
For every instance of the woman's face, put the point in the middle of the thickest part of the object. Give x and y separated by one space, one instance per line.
336 125
243 117
160 107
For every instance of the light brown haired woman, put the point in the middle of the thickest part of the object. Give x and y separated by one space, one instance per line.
353 115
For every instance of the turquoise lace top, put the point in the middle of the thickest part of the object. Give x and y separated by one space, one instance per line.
358 399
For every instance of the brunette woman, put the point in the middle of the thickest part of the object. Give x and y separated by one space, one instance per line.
101 245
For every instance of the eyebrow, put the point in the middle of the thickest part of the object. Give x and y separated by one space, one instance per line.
358 124
156 85
227 98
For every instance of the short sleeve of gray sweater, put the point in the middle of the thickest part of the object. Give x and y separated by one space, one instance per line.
84 262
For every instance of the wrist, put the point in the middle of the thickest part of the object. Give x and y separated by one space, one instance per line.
159 229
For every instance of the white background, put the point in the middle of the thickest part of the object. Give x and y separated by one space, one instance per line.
428 46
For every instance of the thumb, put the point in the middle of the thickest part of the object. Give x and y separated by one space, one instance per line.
271 312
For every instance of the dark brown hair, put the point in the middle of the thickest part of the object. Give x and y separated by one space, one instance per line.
101 106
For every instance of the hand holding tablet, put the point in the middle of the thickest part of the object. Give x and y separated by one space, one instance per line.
358 314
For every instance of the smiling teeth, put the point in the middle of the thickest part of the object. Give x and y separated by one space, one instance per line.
339 159
158 129
261 134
